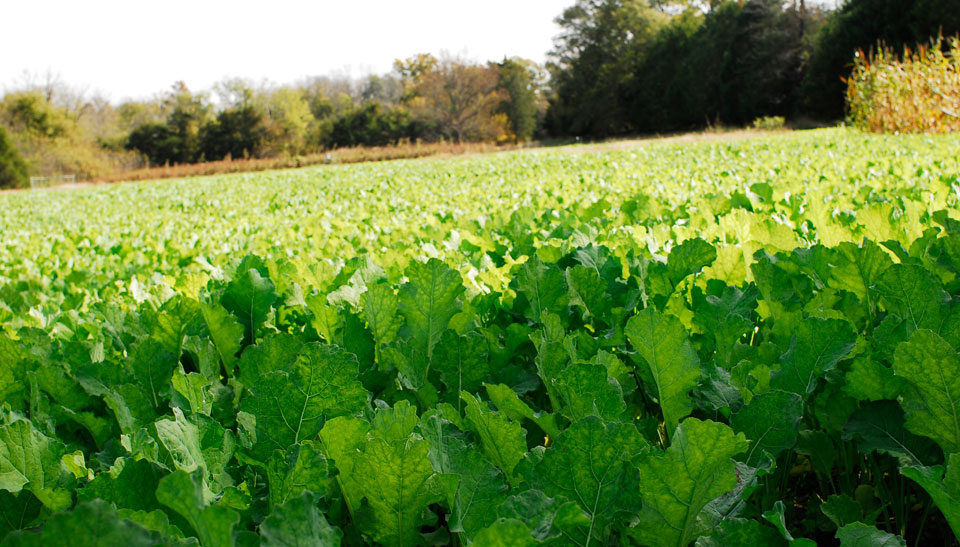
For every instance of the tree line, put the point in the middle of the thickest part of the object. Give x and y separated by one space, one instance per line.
424 98
647 66
618 67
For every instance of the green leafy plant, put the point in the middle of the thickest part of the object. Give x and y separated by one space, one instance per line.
771 360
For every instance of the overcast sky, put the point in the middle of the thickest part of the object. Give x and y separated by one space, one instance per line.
133 49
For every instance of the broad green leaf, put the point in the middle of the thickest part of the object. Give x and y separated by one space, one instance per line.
18 511
769 423
869 380
586 390
462 362
226 333
410 364
505 533
816 347
389 465
587 292
777 517
357 339
842 510
943 485
932 400
750 378
592 463
380 309
183 493
428 300
734 503
178 317
303 467
275 352
507 401
398 482
914 299
831 407
538 512
474 489
203 445
250 296
133 487
91 524
716 389
880 427
777 286
394 423
617 370
290 407
30 460
503 442
298 522
12 370
545 287
342 438
152 365
552 356
689 257
64 392
858 534
156 520
913 294
858 268
815 262
677 484
193 389
662 344
326 320
577 527
950 327
741 533
129 404
727 317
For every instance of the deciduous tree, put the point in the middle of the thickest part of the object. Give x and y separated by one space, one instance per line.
462 99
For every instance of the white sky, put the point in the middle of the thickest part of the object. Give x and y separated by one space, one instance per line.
134 49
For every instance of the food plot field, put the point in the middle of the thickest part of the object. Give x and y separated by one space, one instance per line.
719 343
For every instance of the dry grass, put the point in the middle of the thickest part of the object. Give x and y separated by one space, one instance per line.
918 92
341 155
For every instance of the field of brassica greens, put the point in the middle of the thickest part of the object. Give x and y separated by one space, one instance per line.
720 343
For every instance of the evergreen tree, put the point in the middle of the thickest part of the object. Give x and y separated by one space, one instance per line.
13 170
521 105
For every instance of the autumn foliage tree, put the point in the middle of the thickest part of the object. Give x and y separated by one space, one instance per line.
462 99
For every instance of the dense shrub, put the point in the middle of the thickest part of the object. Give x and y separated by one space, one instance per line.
370 125
918 92
13 170
158 142
769 122
236 133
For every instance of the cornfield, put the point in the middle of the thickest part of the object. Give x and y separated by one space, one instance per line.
918 92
